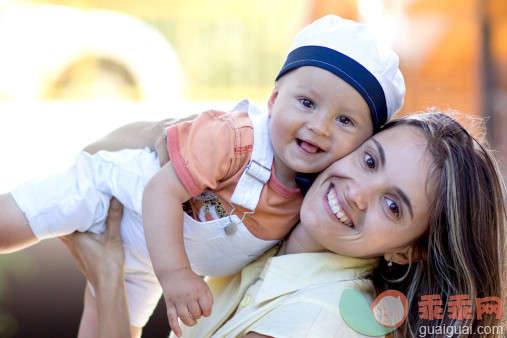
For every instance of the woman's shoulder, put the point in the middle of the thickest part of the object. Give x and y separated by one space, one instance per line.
330 293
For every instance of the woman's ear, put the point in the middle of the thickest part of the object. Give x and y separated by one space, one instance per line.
272 99
407 255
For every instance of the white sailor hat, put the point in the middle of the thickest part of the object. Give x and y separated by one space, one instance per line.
351 51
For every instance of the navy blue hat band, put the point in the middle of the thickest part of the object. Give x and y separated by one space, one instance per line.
347 69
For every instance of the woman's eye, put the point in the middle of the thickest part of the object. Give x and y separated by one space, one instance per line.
344 120
393 207
307 103
369 161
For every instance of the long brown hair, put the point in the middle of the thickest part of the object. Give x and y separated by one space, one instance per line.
464 248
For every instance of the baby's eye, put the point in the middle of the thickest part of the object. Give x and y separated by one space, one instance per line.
344 120
369 161
307 103
393 207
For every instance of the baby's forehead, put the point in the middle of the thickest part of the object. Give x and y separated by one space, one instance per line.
315 80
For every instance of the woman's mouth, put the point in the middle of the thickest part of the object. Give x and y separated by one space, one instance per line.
336 209
308 147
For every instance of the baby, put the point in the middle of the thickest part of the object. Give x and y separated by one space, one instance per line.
236 169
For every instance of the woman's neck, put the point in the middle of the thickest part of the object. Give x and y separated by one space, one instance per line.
300 241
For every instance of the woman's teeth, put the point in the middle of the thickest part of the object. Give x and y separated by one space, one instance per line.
337 210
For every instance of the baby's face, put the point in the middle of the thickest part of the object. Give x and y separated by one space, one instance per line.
316 118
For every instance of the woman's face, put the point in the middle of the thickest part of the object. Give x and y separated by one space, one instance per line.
375 201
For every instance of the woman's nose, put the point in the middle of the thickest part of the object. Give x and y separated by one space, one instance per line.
319 125
358 192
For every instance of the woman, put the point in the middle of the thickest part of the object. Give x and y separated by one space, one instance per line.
422 195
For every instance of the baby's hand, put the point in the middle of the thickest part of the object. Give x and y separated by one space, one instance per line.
186 296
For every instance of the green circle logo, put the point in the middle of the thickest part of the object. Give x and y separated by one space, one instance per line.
387 312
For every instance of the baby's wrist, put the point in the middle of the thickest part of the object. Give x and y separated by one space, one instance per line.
168 273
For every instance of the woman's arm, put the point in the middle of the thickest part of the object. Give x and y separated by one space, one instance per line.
134 135
102 260
138 135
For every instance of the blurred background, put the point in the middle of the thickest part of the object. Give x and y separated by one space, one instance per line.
71 71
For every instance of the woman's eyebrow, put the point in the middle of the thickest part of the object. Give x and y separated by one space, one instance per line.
406 200
381 151
400 192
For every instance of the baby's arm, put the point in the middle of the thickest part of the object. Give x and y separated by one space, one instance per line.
186 295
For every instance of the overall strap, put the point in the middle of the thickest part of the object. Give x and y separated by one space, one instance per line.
258 171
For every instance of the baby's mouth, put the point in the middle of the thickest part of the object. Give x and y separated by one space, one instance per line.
336 209
308 147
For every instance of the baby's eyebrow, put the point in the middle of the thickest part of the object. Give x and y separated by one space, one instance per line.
310 90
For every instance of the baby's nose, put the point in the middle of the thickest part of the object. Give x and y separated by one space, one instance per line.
319 126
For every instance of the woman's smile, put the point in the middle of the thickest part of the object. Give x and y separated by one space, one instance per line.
339 211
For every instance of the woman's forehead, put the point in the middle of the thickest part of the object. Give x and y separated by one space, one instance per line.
402 139
407 163
405 150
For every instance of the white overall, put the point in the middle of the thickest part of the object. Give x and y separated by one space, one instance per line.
219 247
78 199
223 246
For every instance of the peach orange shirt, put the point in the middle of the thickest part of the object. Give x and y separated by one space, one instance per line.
209 155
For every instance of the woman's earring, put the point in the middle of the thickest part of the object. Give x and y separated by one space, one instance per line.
390 262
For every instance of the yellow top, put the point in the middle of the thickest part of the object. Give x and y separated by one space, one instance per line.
285 296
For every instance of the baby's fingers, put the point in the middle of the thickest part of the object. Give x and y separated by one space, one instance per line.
195 310
172 316
185 316
205 303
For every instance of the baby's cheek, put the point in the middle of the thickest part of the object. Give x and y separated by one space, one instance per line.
340 152
325 163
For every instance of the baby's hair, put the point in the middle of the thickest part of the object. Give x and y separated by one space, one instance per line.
464 248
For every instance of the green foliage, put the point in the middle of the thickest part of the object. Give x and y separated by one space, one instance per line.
232 49
228 49
20 266
8 324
